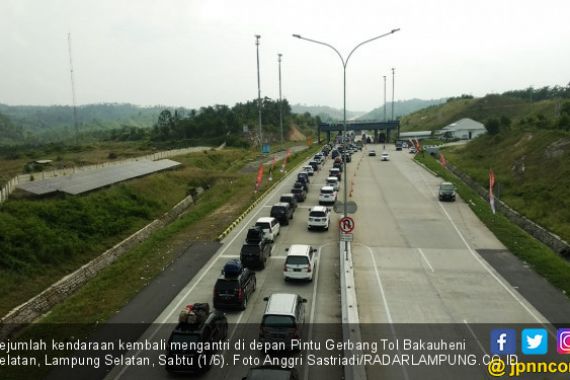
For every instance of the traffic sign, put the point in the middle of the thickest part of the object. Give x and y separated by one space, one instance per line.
346 224
345 237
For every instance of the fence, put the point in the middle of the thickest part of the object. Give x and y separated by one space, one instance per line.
9 187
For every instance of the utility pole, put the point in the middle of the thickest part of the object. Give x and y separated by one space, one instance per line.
257 37
280 100
73 90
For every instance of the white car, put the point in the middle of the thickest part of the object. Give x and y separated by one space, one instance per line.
300 263
270 226
327 195
319 217
309 169
385 157
333 181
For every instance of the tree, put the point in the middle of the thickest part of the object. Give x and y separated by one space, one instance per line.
493 126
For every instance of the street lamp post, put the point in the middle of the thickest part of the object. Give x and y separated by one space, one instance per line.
257 37
344 64
280 101
384 98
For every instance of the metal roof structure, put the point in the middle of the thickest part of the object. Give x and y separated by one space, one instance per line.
465 124
84 181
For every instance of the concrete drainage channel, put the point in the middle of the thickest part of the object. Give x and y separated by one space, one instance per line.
350 320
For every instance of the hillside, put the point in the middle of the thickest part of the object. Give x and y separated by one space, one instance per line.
401 108
529 151
54 123
325 113
481 109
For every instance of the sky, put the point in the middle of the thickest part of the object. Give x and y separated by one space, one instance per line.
196 53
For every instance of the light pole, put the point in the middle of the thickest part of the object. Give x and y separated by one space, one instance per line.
393 70
344 64
257 37
280 101
384 98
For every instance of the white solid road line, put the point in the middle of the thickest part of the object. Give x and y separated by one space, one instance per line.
483 263
474 336
382 293
425 259
204 272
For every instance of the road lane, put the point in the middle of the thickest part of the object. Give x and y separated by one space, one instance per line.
322 293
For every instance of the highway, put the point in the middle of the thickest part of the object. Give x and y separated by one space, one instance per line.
417 268
416 265
322 294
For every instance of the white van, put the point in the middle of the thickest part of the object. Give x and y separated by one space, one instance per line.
333 181
270 226
300 263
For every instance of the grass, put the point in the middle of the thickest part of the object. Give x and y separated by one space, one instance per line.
114 287
532 169
44 239
542 259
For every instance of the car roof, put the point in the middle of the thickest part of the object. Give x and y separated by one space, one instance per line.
318 208
335 170
265 219
287 195
446 183
327 188
281 304
281 204
332 179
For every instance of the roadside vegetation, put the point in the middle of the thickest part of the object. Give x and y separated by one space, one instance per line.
541 258
43 239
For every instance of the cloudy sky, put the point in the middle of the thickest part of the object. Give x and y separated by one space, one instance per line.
196 53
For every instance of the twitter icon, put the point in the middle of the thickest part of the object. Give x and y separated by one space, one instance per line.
534 341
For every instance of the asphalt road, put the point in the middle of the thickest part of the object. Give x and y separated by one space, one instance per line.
322 308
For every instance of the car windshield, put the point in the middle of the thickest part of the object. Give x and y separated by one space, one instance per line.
297 191
278 210
285 199
317 214
446 187
327 191
263 225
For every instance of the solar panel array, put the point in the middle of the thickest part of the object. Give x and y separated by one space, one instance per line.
85 181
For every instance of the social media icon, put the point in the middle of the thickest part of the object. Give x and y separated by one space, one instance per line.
504 342
534 341
563 341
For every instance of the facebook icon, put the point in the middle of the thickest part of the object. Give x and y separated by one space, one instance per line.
503 342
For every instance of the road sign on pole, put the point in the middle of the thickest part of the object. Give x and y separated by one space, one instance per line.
346 224
345 237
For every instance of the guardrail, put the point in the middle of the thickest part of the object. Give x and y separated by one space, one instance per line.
350 319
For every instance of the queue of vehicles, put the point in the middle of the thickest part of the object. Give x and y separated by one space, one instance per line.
284 314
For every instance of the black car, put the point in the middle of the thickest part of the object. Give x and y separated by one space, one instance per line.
289 198
299 193
335 153
254 234
255 255
315 165
196 324
300 184
272 372
234 287
282 212
347 157
446 191
338 165
303 176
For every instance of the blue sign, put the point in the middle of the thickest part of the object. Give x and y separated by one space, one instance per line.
265 148
503 342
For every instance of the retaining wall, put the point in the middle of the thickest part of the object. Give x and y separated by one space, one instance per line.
59 291
553 241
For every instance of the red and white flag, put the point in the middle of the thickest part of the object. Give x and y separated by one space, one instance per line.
259 177
285 160
491 186
442 160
